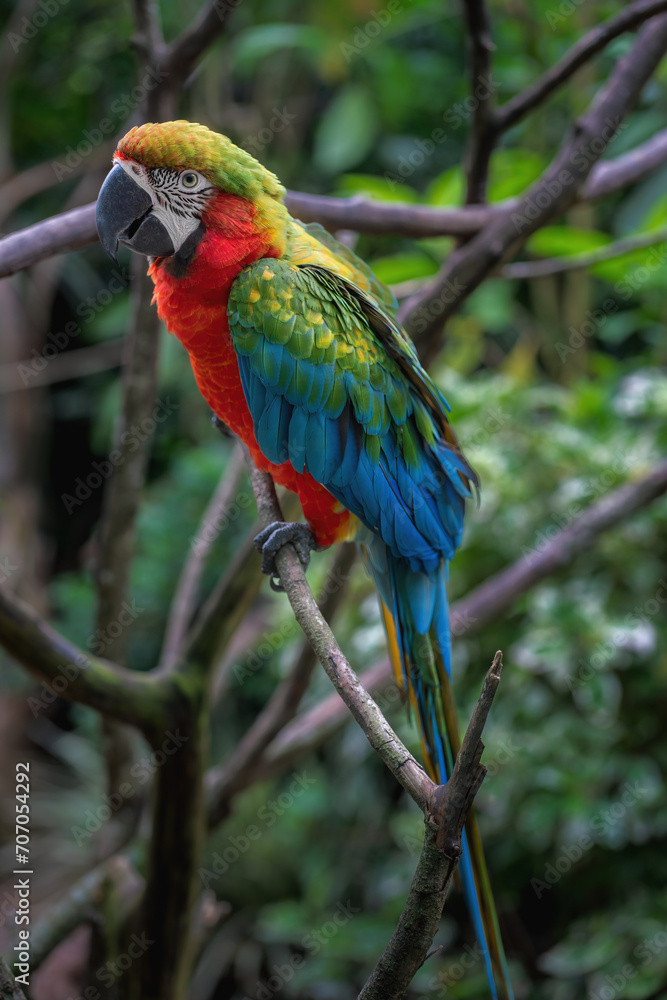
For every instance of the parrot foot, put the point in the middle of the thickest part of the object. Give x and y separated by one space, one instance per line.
279 533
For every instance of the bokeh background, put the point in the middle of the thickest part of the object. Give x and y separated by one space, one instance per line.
558 401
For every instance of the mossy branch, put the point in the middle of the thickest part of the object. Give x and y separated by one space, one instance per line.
144 700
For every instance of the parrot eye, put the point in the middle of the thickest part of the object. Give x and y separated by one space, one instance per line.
189 180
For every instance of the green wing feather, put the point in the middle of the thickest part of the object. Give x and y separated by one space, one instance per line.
364 277
316 317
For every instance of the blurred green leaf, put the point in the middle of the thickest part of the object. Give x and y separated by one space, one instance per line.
560 241
346 131
379 188
512 171
263 40
403 267
447 189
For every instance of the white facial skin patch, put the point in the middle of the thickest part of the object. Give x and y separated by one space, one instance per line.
178 196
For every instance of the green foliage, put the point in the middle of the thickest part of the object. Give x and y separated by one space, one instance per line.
346 132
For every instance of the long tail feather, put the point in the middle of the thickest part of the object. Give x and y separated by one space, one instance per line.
421 661
473 848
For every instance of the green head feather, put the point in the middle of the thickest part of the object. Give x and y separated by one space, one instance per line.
185 145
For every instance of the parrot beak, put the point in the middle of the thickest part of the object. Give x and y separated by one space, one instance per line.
124 215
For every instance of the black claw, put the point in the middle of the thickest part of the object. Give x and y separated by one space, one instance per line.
279 533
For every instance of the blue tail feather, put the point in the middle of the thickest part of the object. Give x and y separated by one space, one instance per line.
417 604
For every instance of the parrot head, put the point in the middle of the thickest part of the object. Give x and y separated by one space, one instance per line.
166 178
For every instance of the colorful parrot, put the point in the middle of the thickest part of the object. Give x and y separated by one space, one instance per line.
294 346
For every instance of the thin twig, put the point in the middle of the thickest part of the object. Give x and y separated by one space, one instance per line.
555 265
185 596
610 176
132 441
82 898
577 261
377 730
20 375
482 135
581 52
555 191
413 937
453 801
473 736
497 594
229 777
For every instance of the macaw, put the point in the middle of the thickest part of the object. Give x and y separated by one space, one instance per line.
294 345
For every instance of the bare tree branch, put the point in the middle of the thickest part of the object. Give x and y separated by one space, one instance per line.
185 596
140 699
83 897
577 261
581 52
148 39
224 781
210 23
482 135
379 734
8 987
76 229
73 364
59 234
418 924
364 215
551 195
42 176
132 441
610 176
175 62
497 594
